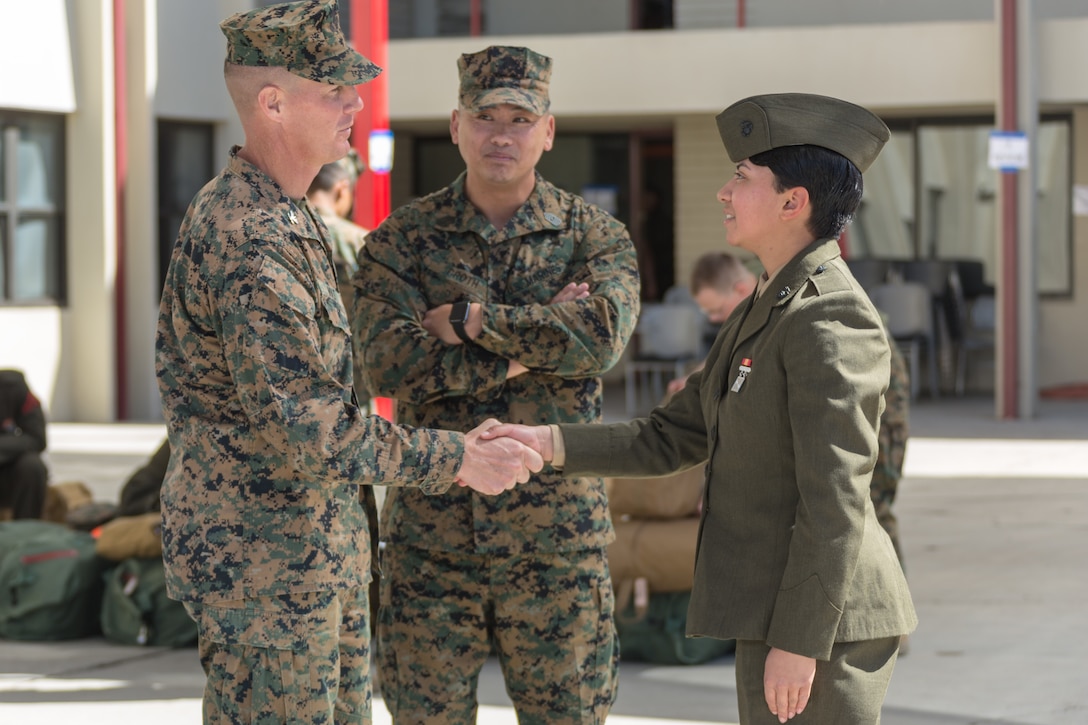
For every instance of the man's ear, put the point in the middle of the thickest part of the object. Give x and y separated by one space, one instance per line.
549 140
454 117
270 101
343 197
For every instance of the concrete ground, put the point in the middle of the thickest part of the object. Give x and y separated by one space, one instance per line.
994 519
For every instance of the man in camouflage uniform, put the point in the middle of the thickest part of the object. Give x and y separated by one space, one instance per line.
892 440
266 536
498 296
331 194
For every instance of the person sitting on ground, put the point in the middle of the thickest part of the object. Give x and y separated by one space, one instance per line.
332 194
23 473
719 282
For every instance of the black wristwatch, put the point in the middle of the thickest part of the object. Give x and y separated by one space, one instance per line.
458 318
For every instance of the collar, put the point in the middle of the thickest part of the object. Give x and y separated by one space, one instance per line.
547 209
792 276
268 195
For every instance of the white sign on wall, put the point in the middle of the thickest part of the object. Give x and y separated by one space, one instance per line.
1080 200
1008 150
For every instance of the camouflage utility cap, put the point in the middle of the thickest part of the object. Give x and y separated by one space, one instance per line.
761 123
303 38
505 74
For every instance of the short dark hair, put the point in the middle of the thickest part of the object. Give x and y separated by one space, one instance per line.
834 184
330 175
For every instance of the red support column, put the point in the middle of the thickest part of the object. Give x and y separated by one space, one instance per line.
475 18
120 120
369 34
1008 294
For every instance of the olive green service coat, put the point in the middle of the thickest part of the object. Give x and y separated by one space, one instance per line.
790 551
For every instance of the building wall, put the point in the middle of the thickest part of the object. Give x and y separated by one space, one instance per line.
86 382
662 74
702 168
181 79
504 17
602 81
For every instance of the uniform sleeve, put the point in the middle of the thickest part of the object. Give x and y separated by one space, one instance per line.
292 395
580 338
400 358
837 370
671 439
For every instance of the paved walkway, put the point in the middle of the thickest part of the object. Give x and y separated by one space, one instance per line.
994 519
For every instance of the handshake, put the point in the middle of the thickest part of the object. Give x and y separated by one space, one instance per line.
498 456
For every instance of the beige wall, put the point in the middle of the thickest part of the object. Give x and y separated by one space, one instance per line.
611 81
701 169
86 381
702 71
688 77
141 270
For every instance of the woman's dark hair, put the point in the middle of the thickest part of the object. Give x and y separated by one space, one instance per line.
834 184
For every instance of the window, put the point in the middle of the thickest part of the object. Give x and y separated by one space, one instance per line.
185 166
434 18
575 163
31 208
630 175
653 14
931 195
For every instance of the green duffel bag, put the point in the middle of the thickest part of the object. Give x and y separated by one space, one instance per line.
50 581
656 633
136 610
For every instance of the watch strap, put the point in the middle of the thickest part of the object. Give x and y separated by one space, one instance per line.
458 318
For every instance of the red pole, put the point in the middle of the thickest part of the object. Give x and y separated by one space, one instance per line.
1009 293
475 18
120 143
369 34
741 12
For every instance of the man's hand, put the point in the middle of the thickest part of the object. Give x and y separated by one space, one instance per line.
515 369
677 384
493 465
437 323
787 682
573 291
537 437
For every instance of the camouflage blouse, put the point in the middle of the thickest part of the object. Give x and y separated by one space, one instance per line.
440 249
253 361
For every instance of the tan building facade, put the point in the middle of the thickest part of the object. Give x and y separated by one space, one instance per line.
84 332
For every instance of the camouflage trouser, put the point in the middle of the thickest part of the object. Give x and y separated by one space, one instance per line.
889 469
549 616
297 658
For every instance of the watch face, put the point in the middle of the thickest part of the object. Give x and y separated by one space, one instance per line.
459 312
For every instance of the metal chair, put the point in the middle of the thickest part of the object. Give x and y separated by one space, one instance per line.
909 308
667 339
971 327
869 272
